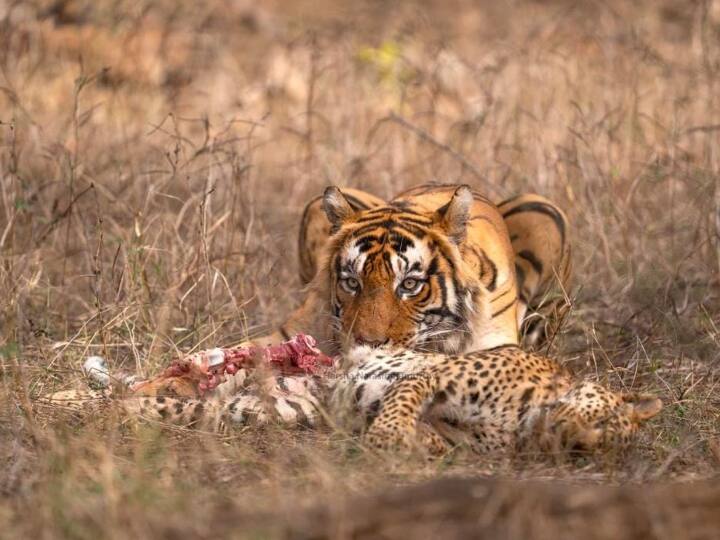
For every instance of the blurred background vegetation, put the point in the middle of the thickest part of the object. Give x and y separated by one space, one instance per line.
155 157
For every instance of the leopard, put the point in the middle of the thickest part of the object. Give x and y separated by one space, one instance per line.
495 400
245 398
400 400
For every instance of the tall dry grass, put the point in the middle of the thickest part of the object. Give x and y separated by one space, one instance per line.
155 158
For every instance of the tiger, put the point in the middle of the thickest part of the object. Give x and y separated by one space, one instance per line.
438 268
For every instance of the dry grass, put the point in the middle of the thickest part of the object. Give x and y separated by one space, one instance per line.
155 158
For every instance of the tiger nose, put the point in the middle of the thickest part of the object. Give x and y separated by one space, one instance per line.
364 340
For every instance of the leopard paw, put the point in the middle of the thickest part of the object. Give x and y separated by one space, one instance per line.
431 441
388 439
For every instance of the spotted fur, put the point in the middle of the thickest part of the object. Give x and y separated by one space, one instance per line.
490 400
498 399
247 398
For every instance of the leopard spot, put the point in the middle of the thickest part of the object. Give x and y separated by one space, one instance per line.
440 397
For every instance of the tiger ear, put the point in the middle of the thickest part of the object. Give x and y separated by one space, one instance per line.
453 216
336 206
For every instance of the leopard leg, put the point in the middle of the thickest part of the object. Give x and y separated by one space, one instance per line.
214 415
294 400
431 440
396 425
185 412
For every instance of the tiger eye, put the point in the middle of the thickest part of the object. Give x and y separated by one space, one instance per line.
409 284
350 284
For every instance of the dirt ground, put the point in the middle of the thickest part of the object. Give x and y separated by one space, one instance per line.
154 160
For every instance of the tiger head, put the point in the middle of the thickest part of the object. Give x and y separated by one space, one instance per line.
396 274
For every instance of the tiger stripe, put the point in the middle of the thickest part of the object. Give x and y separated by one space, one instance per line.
478 268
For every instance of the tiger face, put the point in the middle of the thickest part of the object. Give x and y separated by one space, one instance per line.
396 274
